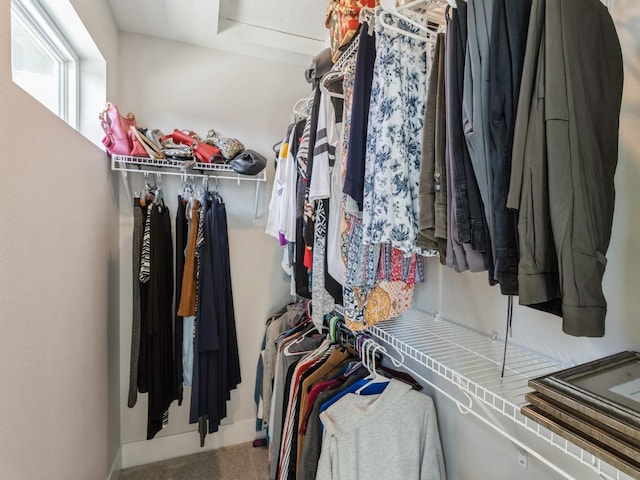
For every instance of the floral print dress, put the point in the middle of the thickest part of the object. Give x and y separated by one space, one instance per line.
394 138
383 262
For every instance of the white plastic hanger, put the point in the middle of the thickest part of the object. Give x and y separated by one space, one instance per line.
367 15
434 10
302 108
327 77
408 5
368 355
432 3
429 34
389 8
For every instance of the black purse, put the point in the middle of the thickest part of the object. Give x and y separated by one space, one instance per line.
248 162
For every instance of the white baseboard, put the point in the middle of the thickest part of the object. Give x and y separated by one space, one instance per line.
164 448
116 466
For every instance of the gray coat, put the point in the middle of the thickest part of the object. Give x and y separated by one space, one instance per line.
564 158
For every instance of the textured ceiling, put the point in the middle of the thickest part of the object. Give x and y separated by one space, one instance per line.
290 29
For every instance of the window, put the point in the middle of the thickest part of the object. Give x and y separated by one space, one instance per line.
42 60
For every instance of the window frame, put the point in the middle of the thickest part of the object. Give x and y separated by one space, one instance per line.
43 30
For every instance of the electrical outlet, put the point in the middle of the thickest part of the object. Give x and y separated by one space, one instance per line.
523 459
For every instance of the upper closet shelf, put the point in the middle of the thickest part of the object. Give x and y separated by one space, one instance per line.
473 362
215 171
165 167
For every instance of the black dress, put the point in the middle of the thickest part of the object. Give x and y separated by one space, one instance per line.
159 321
182 230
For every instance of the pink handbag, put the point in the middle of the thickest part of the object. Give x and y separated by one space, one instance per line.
117 138
137 149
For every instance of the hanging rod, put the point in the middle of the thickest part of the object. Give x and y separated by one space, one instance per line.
201 170
124 164
472 362
467 409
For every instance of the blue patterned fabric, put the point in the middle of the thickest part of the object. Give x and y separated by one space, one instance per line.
394 138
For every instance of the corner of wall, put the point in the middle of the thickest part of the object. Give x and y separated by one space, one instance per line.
116 466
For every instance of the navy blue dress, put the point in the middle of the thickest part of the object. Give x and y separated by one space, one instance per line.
216 369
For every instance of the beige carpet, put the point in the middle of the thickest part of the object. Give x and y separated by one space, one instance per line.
240 462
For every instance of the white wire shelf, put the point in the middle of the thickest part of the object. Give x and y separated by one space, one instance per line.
216 171
473 362
168 167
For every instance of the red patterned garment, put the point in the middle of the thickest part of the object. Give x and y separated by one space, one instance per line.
343 20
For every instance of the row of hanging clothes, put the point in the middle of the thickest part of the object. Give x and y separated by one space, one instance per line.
432 135
333 410
183 325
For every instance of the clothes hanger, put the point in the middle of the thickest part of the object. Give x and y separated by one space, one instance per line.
436 13
371 348
205 189
429 34
186 188
387 25
347 337
307 327
148 194
365 358
190 188
159 199
302 108
329 76
349 51
145 189
432 10
333 328
427 4
367 16
215 194
409 5
389 5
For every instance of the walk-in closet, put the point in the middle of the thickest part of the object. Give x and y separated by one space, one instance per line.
333 240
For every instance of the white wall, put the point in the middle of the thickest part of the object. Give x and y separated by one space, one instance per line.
171 85
63 353
466 297
58 261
